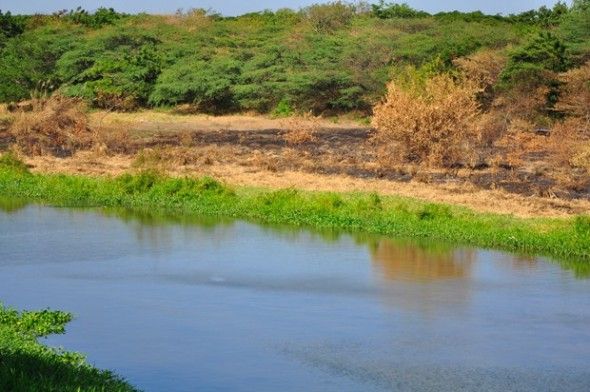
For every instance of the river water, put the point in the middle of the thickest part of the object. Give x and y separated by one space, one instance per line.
181 305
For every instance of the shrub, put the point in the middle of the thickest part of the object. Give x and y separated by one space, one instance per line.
569 143
327 18
116 71
101 17
140 183
208 85
575 26
10 26
28 61
544 16
283 109
535 65
300 131
574 99
581 156
483 68
385 10
432 121
57 126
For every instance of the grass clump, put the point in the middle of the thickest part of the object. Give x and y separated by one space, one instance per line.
10 161
435 211
27 365
582 225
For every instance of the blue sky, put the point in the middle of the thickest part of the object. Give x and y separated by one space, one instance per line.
235 7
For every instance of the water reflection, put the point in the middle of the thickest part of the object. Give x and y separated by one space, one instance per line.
419 262
10 205
396 260
411 260
151 228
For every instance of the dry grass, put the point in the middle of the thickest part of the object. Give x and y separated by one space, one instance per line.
483 68
462 194
56 126
150 121
575 96
301 132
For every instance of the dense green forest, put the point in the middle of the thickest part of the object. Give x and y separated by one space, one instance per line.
327 58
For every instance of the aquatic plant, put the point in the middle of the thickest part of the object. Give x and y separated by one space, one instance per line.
27 365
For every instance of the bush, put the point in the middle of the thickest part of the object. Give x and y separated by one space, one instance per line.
10 26
57 126
535 65
575 26
114 71
99 18
574 99
435 211
283 109
544 16
483 68
569 143
208 85
327 18
431 121
384 10
28 61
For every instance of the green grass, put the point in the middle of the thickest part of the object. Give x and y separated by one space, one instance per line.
567 240
27 365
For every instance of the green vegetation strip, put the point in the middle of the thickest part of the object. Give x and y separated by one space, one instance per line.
565 239
27 365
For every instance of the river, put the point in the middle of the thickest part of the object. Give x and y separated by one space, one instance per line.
177 304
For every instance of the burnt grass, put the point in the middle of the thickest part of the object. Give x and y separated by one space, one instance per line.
350 151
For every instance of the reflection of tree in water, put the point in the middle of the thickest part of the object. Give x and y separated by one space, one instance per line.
428 278
524 262
402 260
160 229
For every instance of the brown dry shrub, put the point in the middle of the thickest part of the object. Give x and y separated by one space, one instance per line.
522 102
516 142
483 67
574 99
433 123
301 131
569 143
56 126
115 101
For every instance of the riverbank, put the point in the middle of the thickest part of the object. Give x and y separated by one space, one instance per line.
28 365
562 238
316 154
